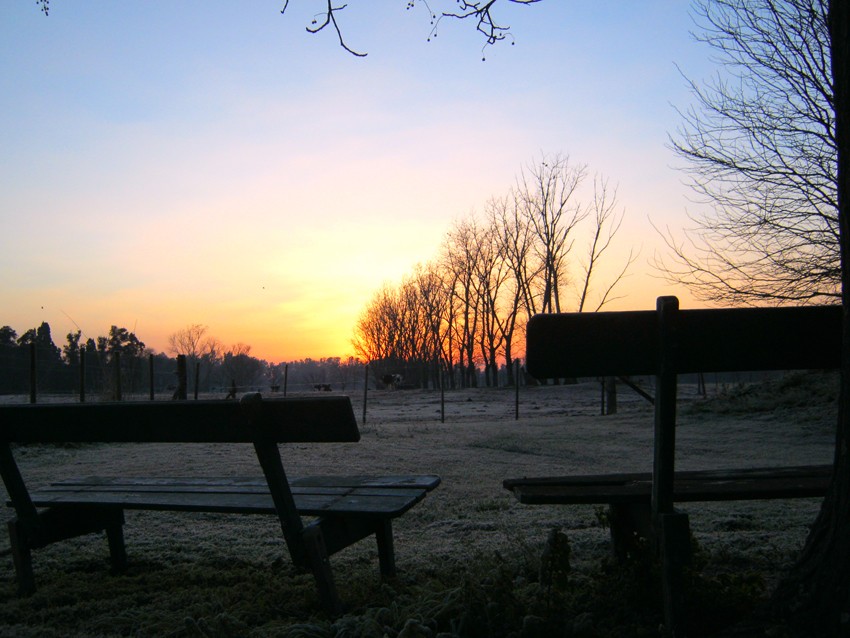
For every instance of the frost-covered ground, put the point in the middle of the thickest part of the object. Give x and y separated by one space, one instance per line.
202 574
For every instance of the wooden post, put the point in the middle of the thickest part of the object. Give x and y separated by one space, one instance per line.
665 408
33 382
82 376
197 377
671 529
150 376
516 390
674 533
285 377
365 390
116 363
181 392
442 394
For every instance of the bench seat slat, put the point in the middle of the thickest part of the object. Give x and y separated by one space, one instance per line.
314 496
421 481
234 490
353 503
695 486
624 477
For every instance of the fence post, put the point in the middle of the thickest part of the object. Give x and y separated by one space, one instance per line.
516 389
365 390
197 377
442 396
150 374
116 394
285 377
181 392
701 384
601 396
33 382
82 375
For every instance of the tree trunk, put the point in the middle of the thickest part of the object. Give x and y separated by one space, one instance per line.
815 596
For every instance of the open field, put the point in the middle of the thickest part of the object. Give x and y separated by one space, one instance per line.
468 556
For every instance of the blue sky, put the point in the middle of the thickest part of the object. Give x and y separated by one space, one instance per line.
164 164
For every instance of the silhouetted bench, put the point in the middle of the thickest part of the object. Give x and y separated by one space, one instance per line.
666 343
347 508
629 495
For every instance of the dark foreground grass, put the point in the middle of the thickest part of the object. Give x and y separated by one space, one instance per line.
490 595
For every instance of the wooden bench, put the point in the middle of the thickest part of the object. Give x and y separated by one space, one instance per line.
347 508
665 343
629 495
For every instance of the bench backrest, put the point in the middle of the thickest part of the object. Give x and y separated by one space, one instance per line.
717 340
264 423
288 420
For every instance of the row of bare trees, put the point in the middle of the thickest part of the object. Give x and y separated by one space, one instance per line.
535 249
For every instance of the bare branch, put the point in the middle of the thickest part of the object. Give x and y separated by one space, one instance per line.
325 18
608 224
760 152
606 297
481 13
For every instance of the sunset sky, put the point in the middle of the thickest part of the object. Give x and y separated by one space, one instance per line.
206 162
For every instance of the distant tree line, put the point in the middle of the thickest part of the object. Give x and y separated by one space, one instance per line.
534 250
121 359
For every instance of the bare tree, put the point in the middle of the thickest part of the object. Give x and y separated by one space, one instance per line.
198 347
460 255
816 594
547 193
492 272
189 341
760 151
769 148
607 222
434 303
516 246
374 331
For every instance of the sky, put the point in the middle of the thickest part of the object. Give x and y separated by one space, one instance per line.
165 164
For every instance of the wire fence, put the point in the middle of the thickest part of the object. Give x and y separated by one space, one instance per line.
175 379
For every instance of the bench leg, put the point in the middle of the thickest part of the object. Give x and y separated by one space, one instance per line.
630 524
320 565
117 550
53 525
386 550
22 558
